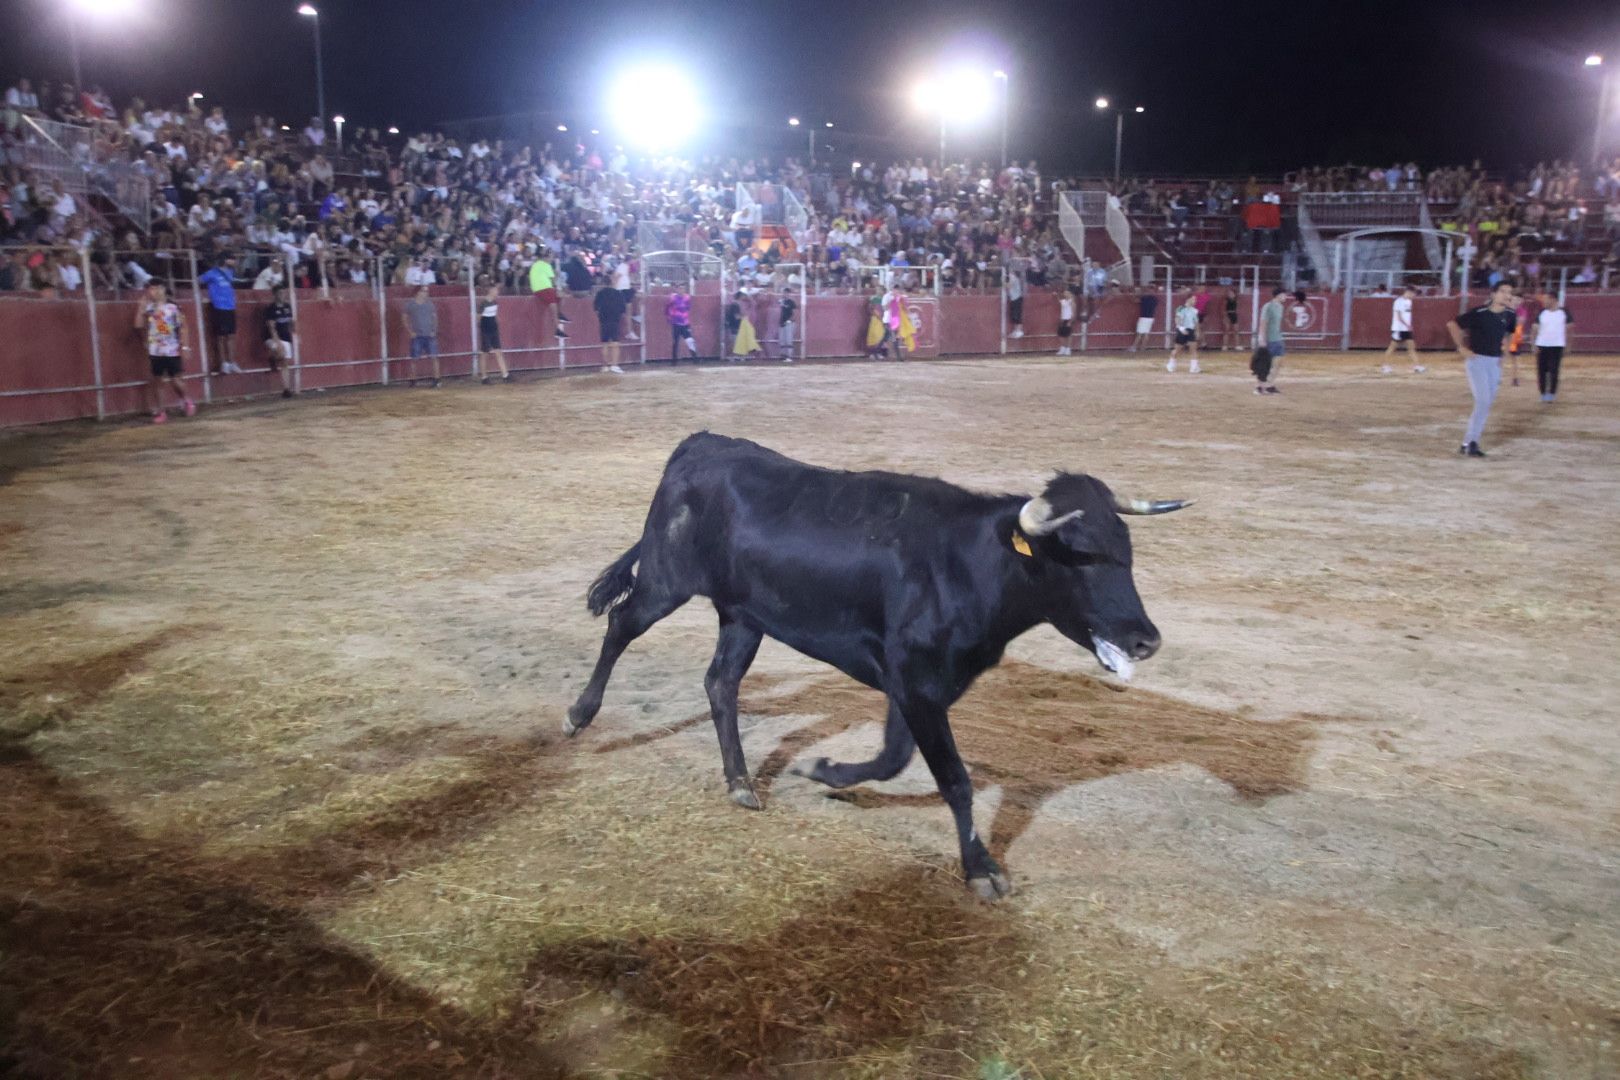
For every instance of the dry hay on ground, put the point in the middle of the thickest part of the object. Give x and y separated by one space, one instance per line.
285 796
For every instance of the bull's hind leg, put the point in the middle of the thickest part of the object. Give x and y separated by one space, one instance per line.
733 653
628 621
890 762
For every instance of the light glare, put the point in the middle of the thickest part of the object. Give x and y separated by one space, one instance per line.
655 105
1102 103
1594 60
309 10
1140 109
793 121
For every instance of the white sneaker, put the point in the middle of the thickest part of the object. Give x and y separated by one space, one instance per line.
631 337
616 369
1420 369
1016 333
1170 365
1194 368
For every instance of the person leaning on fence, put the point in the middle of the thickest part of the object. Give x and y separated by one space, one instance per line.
489 330
220 281
422 321
543 284
1015 303
609 305
165 328
1065 328
278 337
1147 306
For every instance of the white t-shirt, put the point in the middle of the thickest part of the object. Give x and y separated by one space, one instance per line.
621 276
1552 328
1066 309
1186 318
1400 319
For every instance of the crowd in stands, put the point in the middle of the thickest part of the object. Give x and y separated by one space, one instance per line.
429 209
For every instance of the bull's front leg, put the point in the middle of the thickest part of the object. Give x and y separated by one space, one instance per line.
931 727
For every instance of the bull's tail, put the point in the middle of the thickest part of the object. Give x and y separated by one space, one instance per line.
617 580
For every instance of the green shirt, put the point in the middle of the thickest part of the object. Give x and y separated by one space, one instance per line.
542 276
1271 317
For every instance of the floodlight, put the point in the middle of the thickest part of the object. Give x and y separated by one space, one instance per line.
1102 103
793 121
308 10
393 130
655 105
562 127
1594 60
829 123
1140 109
104 7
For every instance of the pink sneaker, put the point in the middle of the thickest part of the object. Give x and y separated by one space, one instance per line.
160 418
188 406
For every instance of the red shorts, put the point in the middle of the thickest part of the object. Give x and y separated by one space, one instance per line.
546 296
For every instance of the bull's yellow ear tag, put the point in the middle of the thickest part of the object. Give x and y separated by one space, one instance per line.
1021 545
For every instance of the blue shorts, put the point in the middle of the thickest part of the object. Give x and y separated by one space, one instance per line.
1275 348
423 346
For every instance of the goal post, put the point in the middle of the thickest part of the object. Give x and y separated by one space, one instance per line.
701 276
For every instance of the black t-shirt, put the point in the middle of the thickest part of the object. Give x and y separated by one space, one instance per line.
1147 305
733 317
278 321
788 308
609 304
1486 329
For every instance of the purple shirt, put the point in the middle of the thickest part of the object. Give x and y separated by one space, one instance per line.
678 310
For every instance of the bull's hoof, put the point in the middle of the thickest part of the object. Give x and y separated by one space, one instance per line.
742 793
816 770
992 888
574 723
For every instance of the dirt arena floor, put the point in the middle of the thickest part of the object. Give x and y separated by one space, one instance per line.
284 792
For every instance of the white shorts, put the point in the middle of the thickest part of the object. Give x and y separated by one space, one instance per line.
1144 326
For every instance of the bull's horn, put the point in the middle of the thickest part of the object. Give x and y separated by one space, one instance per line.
1036 518
1149 506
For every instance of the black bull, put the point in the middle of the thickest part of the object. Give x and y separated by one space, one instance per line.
909 585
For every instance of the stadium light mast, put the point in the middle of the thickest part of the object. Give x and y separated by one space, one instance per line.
959 95
94 9
1103 105
313 14
1006 94
1608 101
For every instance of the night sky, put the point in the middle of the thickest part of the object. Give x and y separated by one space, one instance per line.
1228 87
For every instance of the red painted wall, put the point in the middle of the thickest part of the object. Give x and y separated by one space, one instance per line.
45 344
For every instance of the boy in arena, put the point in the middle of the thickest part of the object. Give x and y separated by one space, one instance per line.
278 337
165 329
1147 306
1186 335
1065 328
1487 328
543 284
678 312
1551 336
1400 328
787 328
610 305
1271 341
422 323
221 285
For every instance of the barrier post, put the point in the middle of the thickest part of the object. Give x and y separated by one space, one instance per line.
1169 306
1002 306
472 322
297 359
382 322
1349 292
1254 308
202 329
95 336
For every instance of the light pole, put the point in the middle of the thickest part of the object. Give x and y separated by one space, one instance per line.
1119 132
810 129
313 14
76 8
1606 100
1006 93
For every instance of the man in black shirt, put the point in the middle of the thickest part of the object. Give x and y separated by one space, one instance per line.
787 328
609 305
1487 327
278 337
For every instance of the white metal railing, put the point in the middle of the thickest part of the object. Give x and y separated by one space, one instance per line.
68 154
1119 231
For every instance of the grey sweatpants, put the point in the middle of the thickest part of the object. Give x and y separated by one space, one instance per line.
1484 377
